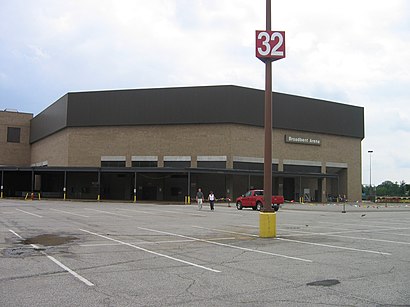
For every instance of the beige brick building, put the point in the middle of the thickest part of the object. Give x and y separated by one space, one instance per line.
14 138
162 144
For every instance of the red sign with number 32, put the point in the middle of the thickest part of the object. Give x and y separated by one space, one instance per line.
270 45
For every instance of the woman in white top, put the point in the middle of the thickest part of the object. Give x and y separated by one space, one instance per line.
211 199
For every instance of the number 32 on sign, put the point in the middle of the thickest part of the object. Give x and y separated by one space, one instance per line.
270 45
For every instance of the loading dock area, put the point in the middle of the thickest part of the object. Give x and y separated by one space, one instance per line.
56 253
158 184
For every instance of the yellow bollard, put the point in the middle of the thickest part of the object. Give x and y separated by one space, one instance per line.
187 200
39 196
98 197
267 224
135 198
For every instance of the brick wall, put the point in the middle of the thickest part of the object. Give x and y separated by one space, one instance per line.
83 147
15 154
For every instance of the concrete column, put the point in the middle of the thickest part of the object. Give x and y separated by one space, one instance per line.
229 162
280 185
280 165
194 161
229 186
128 162
161 161
323 197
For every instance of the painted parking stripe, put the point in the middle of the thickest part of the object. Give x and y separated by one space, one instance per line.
155 212
151 252
16 234
393 233
137 211
84 280
283 239
76 275
335 246
366 225
62 211
149 243
285 210
227 231
340 232
365 230
107 212
349 237
29 213
225 245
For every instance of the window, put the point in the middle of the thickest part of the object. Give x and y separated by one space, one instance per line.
248 166
112 163
258 193
13 135
211 164
144 163
177 164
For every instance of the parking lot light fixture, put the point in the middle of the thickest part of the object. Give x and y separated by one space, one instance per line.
370 173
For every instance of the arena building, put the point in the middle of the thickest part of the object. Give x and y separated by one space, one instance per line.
164 143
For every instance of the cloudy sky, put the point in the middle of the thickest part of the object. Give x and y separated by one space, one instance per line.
349 51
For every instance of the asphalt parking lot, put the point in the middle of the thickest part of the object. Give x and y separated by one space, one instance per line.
56 253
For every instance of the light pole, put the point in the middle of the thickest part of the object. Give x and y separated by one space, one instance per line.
370 190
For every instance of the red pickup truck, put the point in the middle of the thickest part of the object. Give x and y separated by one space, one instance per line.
255 200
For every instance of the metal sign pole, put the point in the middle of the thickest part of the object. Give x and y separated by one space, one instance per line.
270 46
267 174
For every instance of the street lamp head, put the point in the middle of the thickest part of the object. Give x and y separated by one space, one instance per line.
370 151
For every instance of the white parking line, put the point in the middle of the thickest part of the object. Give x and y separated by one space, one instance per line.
348 237
137 211
393 233
306 225
364 230
226 245
335 246
76 275
155 212
151 252
325 245
69 212
107 212
337 232
84 280
285 210
366 225
29 213
16 234
156 242
390 222
227 231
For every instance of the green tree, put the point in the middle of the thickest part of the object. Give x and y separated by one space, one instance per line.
387 188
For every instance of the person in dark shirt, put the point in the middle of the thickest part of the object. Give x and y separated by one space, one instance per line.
199 198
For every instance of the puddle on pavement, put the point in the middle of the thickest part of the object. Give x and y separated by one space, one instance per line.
49 240
43 242
324 283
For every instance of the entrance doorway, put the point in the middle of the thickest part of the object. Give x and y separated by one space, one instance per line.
289 188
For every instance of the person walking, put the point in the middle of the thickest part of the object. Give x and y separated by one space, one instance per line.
211 199
199 198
